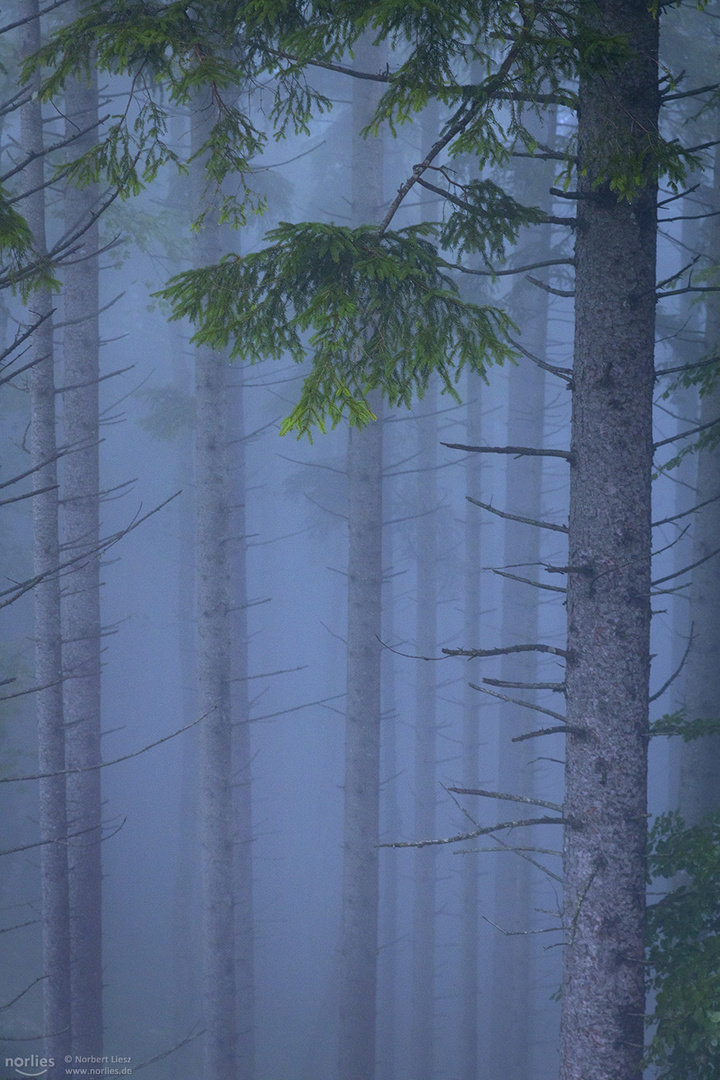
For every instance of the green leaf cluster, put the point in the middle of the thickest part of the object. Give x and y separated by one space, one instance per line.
684 949
371 311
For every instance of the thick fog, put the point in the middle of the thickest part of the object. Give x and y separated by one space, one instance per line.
470 939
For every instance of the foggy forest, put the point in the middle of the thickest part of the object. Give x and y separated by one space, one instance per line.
360 520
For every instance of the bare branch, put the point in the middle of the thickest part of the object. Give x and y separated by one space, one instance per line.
529 581
487 831
681 665
471 653
506 795
516 701
517 517
105 764
684 513
515 451
557 686
687 434
567 293
561 372
551 731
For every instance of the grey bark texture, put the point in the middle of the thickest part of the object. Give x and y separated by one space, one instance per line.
359 928
46 594
609 567
81 600
213 628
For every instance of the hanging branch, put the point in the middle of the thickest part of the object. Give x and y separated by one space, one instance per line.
517 517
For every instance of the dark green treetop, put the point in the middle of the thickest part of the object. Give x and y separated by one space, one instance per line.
370 307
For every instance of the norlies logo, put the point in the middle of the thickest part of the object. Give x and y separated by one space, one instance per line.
30 1066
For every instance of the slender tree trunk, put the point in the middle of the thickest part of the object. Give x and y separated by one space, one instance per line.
469 973
81 624
609 569
213 625
241 745
359 930
700 760
514 957
48 635
424 859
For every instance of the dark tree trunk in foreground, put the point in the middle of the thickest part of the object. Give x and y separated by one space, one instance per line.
359 930
46 594
609 568
81 625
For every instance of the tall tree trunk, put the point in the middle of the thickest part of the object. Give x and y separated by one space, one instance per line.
240 713
213 626
81 623
700 759
359 930
514 957
424 780
469 974
609 567
48 634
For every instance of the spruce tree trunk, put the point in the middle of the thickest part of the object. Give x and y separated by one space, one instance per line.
213 627
609 570
469 973
240 714
46 594
425 779
362 756
700 759
81 613
359 929
513 999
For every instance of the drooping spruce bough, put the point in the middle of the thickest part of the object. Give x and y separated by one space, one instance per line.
375 308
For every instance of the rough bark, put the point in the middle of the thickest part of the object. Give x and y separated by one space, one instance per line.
46 594
609 568
359 930
213 627
81 612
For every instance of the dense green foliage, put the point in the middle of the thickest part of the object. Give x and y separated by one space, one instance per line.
372 311
684 949
487 64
